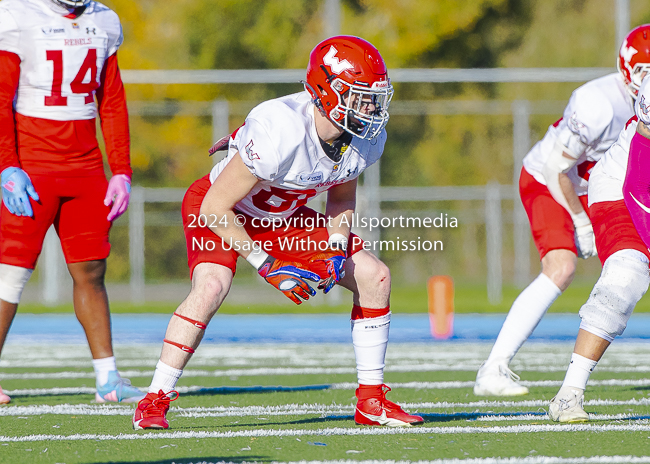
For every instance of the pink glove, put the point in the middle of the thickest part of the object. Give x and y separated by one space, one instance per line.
118 193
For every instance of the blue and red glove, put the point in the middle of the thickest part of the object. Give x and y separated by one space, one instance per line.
335 265
334 261
289 278
17 188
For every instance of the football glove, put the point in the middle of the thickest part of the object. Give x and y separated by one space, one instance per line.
289 278
17 188
335 265
334 261
584 237
118 193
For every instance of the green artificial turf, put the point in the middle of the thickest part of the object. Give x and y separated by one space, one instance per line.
468 298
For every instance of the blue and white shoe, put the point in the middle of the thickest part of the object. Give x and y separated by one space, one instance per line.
118 390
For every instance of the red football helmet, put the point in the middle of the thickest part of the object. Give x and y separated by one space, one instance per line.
348 80
634 58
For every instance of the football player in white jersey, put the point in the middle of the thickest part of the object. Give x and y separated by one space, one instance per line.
56 57
289 150
618 205
553 188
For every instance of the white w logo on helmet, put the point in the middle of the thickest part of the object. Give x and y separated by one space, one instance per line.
627 52
337 66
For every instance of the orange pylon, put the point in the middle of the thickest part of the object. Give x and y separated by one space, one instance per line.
441 306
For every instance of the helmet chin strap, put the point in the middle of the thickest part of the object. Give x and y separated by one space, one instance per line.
71 8
315 100
354 124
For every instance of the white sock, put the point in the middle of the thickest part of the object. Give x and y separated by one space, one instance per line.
370 339
102 367
164 378
524 315
577 375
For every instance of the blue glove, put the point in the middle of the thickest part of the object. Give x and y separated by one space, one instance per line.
16 186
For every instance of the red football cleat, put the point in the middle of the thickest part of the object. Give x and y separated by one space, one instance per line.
152 409
374 409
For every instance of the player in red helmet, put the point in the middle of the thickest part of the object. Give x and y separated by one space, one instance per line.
289 150
344 77
634 58
553 187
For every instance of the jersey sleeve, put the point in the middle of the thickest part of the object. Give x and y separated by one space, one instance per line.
115 34
588 115
114 117
9 77
257 150
9 33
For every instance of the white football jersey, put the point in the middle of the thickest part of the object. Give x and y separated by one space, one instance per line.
61 58
608 176
596 113
280 145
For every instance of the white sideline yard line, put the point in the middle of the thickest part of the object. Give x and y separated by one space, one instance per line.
335 431
526 460
429 367
334 386
292 409
307 371
452 357
420 367
428 405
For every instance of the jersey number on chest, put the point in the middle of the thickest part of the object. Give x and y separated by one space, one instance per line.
77 85
277 200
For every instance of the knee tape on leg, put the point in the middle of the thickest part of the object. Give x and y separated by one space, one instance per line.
622 283
12 282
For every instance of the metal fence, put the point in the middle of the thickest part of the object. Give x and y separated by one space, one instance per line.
372 195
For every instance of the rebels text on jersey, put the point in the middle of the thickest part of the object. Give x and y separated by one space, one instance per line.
280 146
61 59
596 113
54 65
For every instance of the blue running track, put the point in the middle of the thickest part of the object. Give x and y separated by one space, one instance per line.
291 328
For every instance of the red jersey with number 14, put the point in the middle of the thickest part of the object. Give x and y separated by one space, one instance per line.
53 67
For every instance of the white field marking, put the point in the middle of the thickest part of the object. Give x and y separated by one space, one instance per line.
334 386
528 383
338 431
68 410
51 391
298 409
622 356
255 372
526 460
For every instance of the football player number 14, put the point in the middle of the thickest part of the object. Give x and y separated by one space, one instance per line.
77 85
